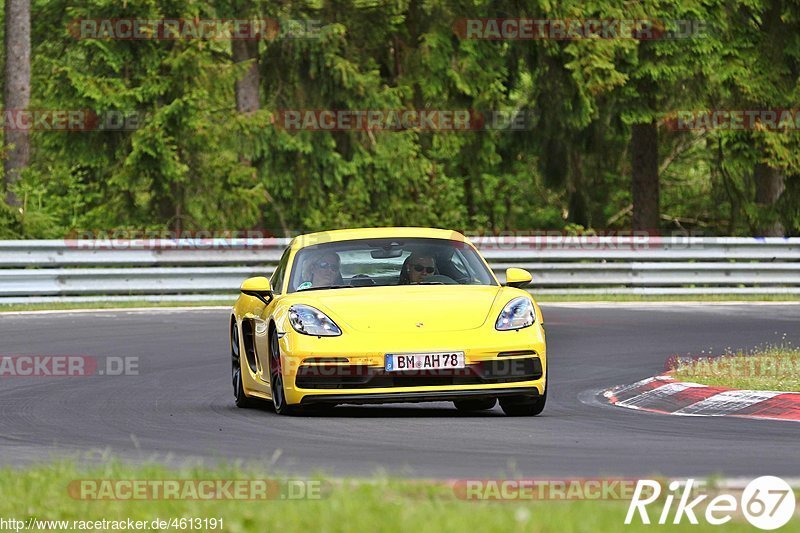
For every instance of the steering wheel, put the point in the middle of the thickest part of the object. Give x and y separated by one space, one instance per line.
361 280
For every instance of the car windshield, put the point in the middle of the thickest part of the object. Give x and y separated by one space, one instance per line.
382 262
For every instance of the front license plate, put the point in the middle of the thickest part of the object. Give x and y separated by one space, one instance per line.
396 362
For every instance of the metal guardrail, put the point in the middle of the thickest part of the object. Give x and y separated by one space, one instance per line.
202 269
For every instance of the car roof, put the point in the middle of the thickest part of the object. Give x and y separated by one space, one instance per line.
310 239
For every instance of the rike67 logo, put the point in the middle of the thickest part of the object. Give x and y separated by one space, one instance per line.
767 502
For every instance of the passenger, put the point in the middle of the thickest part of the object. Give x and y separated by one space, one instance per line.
322 272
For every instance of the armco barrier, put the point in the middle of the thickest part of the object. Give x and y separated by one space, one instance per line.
197 269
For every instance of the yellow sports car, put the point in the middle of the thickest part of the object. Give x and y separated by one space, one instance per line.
386 315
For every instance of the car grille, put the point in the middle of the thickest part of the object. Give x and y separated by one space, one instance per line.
364 377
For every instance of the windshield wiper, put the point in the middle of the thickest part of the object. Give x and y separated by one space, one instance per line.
431 283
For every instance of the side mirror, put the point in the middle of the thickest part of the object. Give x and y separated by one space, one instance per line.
258 287
516 277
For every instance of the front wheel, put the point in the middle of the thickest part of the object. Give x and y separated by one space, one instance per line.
276 378
240 397
523 405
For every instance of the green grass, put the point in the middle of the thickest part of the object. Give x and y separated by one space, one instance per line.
774 368
374 504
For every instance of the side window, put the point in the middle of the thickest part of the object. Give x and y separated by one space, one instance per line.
280 272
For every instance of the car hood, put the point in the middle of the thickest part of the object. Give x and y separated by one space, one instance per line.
402 309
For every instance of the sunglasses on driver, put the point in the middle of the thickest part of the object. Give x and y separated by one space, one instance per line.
329 265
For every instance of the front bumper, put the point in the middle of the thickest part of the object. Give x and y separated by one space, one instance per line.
522 353
418 396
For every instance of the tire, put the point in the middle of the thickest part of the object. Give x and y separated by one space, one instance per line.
276 378
524 405
481 404
239 395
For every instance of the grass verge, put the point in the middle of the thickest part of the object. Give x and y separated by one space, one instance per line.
376 504
774 368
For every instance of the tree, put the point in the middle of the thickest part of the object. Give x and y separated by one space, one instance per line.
644 176
17 89
762 69
208 151
777 48
665 74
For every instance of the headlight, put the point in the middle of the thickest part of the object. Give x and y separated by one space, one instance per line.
310 321
517 314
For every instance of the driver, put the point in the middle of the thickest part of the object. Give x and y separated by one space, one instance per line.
417 267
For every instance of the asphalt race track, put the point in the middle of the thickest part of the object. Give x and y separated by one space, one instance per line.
180 407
